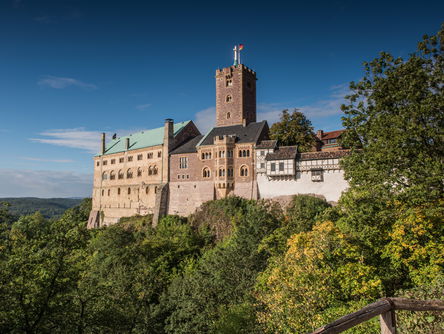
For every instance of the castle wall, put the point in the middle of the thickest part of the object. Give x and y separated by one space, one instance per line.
331 187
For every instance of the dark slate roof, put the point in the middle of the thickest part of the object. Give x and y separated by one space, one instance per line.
267 144
283 153
244 134
323 155
189 146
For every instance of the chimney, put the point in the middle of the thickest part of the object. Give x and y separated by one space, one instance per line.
103 142
168 136
319 134
127 143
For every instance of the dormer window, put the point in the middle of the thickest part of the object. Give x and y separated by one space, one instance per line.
228 99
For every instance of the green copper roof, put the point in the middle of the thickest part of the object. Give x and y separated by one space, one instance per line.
141 139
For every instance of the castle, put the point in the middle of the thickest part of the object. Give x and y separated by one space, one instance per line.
174 169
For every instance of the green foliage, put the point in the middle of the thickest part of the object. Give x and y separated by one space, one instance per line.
223 276
394 123
422 322
294 129
301 214
48 207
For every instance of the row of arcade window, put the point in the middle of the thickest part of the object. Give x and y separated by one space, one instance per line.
128 191
152 170
129 158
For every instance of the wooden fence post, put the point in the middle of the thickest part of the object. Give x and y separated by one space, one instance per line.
387 321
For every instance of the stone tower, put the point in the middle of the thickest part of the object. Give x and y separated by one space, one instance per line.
235 96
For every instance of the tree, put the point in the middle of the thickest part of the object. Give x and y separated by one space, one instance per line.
394 121
294 129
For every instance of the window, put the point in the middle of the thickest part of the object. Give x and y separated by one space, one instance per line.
129 191
206 155
221 154
183 162
120 175
281 166
273 167
109 192
112 175
206 173
230 153
228 98
317 175
146 190
249 86
104 162
149 155
103 192
178 176
244 153
98 163
159 154
228 115
130 158
118 191
150 170
221 172
104 176
229 83
113 161
244 171
230 172
129 174
188 176
139 172
332 141
262 164
121 160
154 170
262 153
139 157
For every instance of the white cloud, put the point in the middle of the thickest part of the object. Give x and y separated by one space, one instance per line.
44 183
75 138
143 106
47 160
60 83
329 106
205 119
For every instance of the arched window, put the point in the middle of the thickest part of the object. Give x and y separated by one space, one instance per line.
112 175
154 170
129 174
139 172
118 191
129 191
104 176
147 190
103 192
244 171
206 173
150 170
248 153
228 98
228 115
221 172
120 175
109 192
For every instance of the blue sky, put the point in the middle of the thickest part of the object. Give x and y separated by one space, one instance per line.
70 69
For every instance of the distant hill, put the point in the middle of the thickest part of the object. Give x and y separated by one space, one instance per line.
48 207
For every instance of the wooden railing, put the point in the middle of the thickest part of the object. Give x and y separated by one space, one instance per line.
385 308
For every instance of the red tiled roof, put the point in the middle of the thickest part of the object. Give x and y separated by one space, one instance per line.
332 134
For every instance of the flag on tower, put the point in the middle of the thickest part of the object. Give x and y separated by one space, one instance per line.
241 46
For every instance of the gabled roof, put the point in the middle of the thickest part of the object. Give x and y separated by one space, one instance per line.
267 144
323 155
244 134
189 146
332 134
142 139
283 153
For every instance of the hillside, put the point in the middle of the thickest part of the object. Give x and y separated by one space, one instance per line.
48 207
